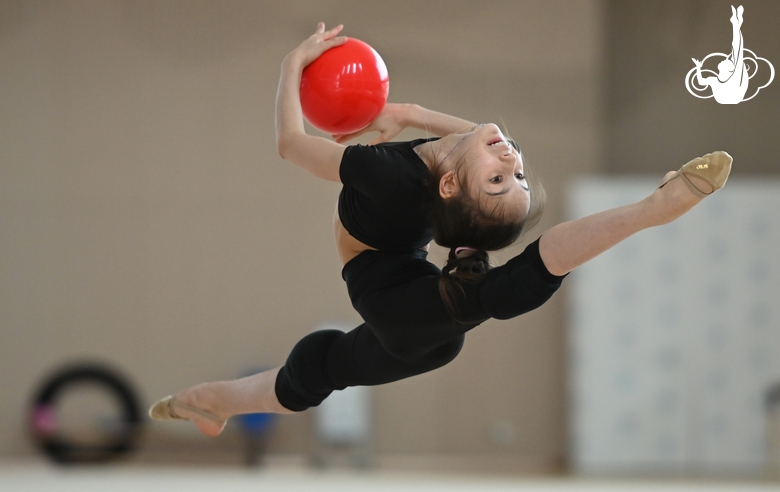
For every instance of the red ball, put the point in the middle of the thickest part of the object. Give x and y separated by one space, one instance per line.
344 89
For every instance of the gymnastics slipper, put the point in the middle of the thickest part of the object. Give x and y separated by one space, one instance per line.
164 410
713 168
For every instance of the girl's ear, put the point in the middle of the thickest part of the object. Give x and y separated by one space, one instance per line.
448 185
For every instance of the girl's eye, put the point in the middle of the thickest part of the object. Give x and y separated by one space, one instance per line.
495 179
519 176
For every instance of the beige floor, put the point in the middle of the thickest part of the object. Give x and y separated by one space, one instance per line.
40 476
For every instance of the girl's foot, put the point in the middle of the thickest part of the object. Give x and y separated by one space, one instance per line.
198 404
681 190
209 405
201 397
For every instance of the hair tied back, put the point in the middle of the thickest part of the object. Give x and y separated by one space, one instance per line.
464 248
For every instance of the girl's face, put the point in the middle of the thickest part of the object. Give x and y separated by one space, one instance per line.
491 170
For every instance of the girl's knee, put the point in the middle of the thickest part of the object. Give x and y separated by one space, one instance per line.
302 382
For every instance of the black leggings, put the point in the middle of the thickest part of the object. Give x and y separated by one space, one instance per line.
407 330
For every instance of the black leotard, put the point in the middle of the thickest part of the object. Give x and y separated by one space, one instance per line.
381 202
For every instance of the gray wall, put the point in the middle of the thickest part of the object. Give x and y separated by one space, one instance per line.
652 120
148 221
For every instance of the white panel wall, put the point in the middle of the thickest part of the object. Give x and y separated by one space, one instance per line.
675 334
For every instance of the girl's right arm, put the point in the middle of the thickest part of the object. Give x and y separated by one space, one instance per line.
319 156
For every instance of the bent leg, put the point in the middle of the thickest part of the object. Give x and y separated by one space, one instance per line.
360 359
332 360
320 363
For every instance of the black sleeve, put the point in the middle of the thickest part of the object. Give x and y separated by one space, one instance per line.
373 170
521 285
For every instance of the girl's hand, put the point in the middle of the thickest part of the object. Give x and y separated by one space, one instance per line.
317 44
390 122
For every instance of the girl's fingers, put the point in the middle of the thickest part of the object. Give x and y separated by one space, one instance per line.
330 34
337 41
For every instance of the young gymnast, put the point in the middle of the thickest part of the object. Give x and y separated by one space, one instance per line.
468 192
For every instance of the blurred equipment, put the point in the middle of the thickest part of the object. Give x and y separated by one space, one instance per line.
343 424
773 431
85 412
345 88
256 428
343 428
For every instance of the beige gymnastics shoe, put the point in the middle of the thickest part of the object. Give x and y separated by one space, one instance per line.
164 410
713 168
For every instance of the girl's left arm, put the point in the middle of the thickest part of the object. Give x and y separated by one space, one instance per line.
395 117
319 156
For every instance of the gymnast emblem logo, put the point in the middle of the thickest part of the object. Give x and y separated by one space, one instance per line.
735 70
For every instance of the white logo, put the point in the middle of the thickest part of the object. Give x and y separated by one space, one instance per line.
730 84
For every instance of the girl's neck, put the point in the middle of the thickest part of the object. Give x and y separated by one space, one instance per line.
436 154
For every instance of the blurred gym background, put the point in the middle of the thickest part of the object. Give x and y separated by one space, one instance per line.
149 226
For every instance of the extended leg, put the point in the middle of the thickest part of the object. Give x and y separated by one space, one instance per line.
570 244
